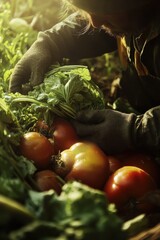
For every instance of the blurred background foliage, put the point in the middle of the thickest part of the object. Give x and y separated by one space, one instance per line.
21 20
39 14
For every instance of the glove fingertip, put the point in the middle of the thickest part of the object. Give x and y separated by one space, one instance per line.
15 85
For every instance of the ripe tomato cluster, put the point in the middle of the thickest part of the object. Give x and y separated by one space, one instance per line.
60 156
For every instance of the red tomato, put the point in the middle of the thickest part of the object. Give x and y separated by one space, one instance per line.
145 162
127 186
85 162
64 135
37 148
47 180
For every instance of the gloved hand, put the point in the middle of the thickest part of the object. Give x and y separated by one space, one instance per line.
50 47
110 130
64 40
31 67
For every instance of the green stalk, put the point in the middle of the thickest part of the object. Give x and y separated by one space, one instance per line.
3 105
9 113
12 161
69 111
61 110
65 68
29 99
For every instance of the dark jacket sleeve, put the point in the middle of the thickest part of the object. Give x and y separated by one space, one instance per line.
142 91
147 131
72 39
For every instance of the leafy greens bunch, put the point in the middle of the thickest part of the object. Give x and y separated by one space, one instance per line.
60 217
65 91
14 169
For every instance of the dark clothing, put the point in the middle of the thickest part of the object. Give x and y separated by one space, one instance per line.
141 78
140 67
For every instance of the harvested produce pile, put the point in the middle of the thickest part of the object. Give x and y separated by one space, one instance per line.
52 181
20 181
52 184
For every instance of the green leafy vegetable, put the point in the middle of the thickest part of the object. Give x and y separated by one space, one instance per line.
14 169
79 213
66 90
13 44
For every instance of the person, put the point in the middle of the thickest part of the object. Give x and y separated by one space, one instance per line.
97 27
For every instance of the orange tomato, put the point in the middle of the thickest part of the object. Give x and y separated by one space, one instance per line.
47 179
36 147
85 162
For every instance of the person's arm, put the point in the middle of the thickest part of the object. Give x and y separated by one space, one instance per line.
116 132
67 39
142 90
75 41
147 131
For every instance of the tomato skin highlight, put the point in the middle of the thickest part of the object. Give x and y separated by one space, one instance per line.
36 147
47 179
87 164
145 162
64 134
136 159
129 183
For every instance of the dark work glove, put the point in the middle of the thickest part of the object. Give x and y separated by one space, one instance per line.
66 39
32 67
111 130
50 47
